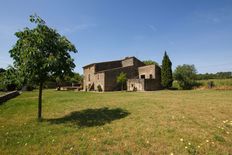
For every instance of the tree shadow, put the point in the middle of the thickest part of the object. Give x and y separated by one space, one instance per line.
91 117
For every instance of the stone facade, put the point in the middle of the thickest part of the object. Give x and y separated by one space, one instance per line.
102 76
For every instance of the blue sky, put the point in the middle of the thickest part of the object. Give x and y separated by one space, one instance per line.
195 32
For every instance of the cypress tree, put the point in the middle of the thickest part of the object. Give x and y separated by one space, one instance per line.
166 72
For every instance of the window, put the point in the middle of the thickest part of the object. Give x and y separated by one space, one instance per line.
142 76
150 76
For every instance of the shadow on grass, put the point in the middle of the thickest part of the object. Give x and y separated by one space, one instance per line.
91 117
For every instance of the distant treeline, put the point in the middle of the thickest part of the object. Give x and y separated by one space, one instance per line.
218 75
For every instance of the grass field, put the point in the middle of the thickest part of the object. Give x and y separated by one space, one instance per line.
217 82
1 93
161 122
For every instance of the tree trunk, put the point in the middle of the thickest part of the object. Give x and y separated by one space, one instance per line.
122 87
40 102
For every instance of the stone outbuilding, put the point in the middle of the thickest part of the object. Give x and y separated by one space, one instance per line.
149 79
102 76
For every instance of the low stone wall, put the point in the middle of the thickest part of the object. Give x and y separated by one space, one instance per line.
8 96
143 84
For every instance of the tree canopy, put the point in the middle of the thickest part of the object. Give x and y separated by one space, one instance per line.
166 72
11 79
150 62
40 53
2 70
185 76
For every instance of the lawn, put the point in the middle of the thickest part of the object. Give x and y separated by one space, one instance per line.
1 93
160 122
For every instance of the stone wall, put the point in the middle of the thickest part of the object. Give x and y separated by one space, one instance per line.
132 61
138 63
8 96
147 71
143 84
89 76
99 80
107 65
151 84
111 75
127 62
150 72
158 73
135 85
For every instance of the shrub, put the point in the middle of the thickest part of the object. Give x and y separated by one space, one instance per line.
210 84
121 79
99 88
185 76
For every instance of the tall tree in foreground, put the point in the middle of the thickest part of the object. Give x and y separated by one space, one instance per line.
166 72
121 79
40 53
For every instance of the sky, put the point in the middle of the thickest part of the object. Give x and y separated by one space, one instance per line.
195 32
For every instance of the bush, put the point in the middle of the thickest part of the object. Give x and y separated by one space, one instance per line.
210 84
29 87
11 87
11 80
99 88
121 79
185 76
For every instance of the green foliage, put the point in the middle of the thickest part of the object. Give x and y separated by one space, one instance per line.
121 79
76 78
150 62
41 52
219 138
2 70
99 88
217 82
185 76
1 81
218 75
10 79
166 72
72 79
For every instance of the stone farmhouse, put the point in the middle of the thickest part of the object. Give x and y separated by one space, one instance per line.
102 76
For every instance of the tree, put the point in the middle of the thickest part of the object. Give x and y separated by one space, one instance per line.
185 76
166 72
11 79
150 62
2 79
40 53
121 79
2 70
77 78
